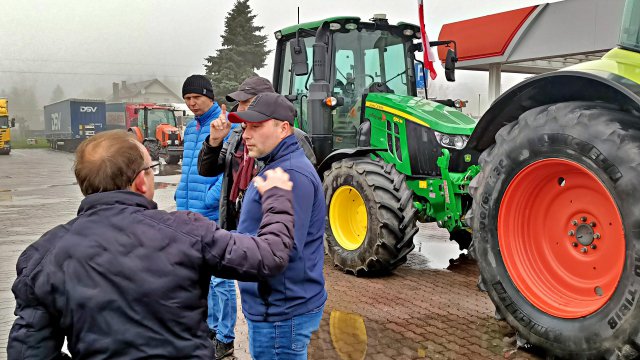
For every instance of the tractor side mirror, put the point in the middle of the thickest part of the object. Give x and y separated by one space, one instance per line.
299 61
450 65
184 112
13 122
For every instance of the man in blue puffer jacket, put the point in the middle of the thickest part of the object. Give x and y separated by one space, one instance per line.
202 195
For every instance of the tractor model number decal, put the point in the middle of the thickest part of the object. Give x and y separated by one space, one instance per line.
525 321
624 309
396 112
397 119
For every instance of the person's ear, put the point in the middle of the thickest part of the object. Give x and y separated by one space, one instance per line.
140 183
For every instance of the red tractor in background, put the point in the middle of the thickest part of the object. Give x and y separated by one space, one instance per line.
154 125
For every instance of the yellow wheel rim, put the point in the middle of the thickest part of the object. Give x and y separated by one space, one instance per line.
348 217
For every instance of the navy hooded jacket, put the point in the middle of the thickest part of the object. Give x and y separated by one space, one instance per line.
300 288
124 280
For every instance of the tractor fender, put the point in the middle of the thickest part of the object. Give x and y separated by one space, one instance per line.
343 154
137 132
555 87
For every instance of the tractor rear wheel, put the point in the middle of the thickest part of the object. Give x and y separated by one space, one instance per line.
555 228
173 159
371 219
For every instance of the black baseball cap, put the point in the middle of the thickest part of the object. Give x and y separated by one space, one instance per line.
251 87
264 107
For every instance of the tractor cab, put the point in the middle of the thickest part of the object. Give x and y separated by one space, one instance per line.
351 59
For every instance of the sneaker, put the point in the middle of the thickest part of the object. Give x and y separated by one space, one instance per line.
222 349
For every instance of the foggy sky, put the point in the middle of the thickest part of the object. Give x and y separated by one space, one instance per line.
85 45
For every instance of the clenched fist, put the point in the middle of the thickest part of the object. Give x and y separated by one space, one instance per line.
274 178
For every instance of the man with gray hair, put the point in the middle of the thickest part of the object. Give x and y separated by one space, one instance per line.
124 280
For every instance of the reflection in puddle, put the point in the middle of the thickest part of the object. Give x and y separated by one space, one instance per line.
433 249
166 169
5 195
348 335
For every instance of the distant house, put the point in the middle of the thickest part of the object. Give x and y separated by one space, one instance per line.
144 91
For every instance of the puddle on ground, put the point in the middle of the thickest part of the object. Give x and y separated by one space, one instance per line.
433 249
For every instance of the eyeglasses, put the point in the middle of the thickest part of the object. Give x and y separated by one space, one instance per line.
154 167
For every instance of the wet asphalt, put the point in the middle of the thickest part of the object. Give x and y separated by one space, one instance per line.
38 191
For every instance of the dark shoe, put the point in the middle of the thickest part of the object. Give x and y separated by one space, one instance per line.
222 349
212 334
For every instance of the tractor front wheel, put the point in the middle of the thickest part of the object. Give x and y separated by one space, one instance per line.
555 228
371 219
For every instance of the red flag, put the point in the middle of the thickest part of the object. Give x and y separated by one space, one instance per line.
429 58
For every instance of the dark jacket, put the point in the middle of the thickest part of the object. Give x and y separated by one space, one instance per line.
124 280
213 162
300 288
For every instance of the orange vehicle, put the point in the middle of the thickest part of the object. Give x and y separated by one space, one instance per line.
153 124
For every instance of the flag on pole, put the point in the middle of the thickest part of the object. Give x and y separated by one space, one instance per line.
429 58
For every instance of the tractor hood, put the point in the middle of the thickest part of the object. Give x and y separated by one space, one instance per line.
428 113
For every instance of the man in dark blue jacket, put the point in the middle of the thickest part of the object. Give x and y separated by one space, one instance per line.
124 280
283 311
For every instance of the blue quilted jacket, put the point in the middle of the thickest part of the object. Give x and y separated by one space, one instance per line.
198 193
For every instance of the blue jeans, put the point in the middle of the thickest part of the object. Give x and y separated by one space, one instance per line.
222 312
283 340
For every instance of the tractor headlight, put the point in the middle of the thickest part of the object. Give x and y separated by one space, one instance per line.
452 141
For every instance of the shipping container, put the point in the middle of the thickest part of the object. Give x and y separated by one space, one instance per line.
116 116
70 121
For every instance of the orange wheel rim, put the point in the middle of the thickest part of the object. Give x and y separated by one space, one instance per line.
561 238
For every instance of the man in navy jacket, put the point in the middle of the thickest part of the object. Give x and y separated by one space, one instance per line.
284 310
124 280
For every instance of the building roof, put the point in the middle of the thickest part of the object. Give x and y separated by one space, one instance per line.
136 89
536 39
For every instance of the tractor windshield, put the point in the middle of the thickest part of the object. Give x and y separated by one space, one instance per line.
157 117
4 122
630 34
363 57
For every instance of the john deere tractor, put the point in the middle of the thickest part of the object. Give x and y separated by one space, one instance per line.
556 203
387 157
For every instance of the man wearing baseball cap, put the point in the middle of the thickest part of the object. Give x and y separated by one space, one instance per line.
232 160
296 297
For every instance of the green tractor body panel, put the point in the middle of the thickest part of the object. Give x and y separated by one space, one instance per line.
425 112
617 61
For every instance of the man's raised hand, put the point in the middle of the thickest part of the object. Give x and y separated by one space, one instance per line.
219 128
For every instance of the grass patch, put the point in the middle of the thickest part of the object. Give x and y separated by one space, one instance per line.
22 144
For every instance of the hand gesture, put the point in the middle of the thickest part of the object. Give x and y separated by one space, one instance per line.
219 128
275 178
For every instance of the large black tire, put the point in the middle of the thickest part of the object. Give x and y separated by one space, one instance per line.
606 142
153 148
391 216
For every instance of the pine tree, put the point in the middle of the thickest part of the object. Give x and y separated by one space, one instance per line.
57 94
243 51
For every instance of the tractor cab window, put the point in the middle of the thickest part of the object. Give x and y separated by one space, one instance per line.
156 117
630 34
4 122
297 85
364 57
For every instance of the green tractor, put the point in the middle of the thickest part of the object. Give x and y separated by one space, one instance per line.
387 157
553 167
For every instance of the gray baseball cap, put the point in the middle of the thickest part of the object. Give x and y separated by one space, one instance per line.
251 87
264 107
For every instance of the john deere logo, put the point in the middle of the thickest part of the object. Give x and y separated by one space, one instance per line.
467 158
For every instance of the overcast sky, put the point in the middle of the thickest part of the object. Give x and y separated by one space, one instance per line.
85 45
